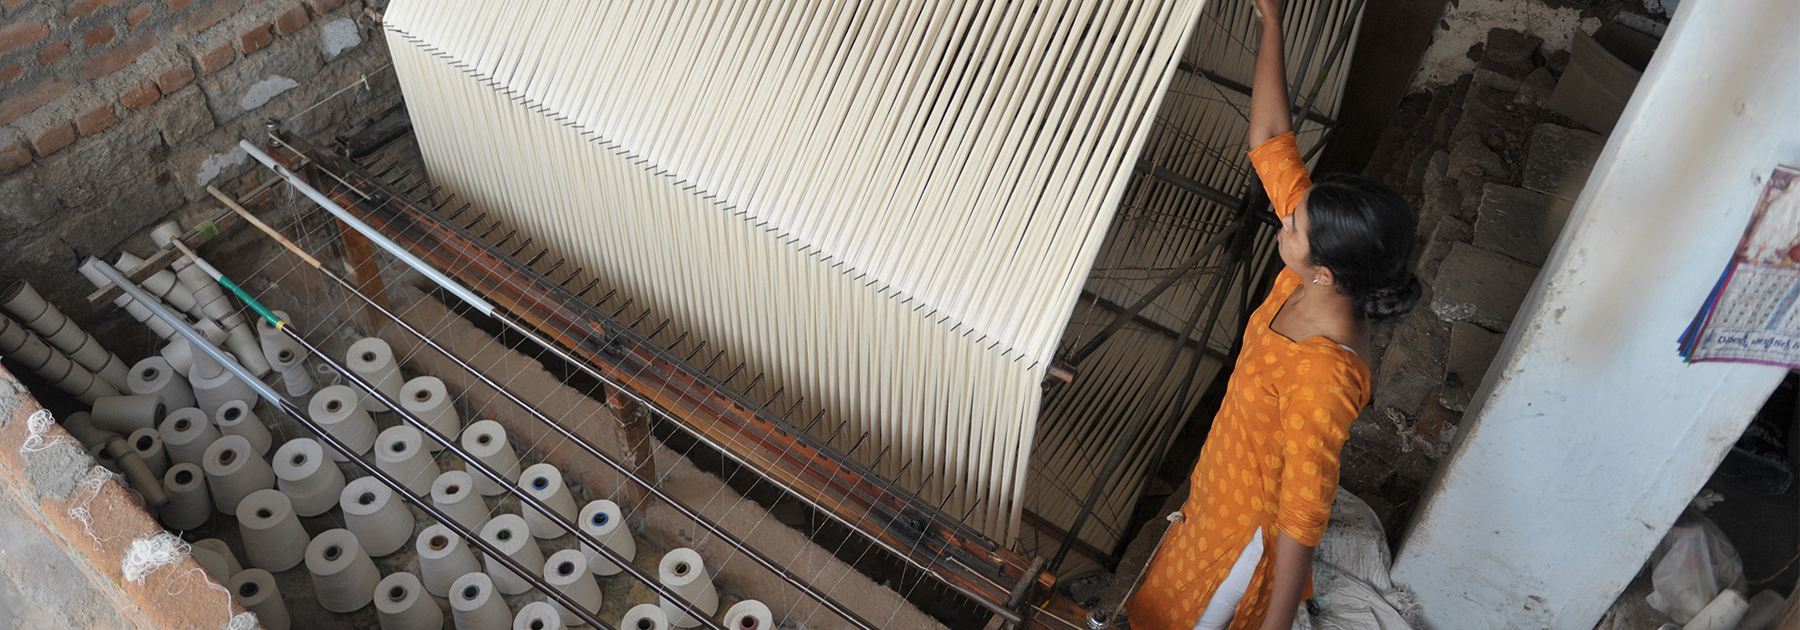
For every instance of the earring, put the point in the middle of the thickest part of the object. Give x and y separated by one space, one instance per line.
1315 280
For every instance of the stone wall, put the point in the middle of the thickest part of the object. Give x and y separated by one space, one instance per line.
116 114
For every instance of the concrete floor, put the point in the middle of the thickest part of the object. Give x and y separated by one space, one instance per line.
40 587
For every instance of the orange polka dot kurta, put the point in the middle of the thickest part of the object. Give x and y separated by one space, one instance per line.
1271 459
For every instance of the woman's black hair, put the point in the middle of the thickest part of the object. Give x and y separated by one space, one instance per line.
1363 232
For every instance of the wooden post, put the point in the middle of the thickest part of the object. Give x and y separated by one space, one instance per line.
359 255
634 437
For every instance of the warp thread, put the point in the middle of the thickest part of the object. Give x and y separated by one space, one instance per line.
96 478
38 424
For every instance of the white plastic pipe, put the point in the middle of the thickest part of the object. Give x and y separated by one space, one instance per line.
402 604
336 409
545 482
429 401
1723 613
749 615
125 414
148 445
538 616
476 605
373 360
237 418
684 572
273 537
343 576
307 476
567 570
189 503
605 522
233 471
154 376
486 440
378 518
644 617
186 433
400 451
510 534
255 590
454 493
443 557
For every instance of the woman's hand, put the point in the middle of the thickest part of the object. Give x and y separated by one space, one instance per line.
1270 9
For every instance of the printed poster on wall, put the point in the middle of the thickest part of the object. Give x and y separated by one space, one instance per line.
1751 315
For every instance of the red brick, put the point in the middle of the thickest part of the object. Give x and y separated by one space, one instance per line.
13 4
96 120
205 16
54 52
85 8
11 73
174 79
136 15
13 157
177 5
99 35
322 7
16 36
54 139
292 20
120 56
255 39
140 96
13 108
216 59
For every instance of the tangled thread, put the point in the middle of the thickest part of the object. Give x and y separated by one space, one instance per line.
37 425
149 554
96 478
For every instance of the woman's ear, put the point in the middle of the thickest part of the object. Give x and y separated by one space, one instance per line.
1322 276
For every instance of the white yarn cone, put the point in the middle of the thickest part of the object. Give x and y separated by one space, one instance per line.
307 476
273 537
604 521
644 617
426 399
181 354
255 590
402 604
23 302
211 562
101 457
486 440
378 518
230 565
31 352
81 425
476 605
684 572
373 360
163 284
567 570
154 376
538 616
233 471
243 344
545 482
124 414
336 409
95 389
443 557
343 576
116 373
285 356
510 534
400 451
148 445
297 380
454 493
186 433
749 615
237 418
189 503
214 385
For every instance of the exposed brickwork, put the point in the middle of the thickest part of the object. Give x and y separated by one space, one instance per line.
13 156
136 15
99 35
216 59
256 38
205 16
120 56
11 73
177 5
16 36
292 20
53 139
140 96
54 52
13 108
174 79
96 120
85 8
321 7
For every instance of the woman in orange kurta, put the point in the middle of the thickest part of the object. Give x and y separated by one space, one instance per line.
1260 496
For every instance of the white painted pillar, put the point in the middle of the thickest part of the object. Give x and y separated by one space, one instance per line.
1589 434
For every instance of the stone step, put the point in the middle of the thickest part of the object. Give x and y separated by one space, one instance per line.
1472 349
1480 287
1560 159
1520 223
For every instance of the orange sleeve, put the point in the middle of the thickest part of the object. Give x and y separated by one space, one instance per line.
1283 172
1316 420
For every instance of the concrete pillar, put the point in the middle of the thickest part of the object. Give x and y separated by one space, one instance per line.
1589 434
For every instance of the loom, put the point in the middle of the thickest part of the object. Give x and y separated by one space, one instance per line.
868 235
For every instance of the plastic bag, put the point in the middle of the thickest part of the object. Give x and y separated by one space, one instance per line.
1693 564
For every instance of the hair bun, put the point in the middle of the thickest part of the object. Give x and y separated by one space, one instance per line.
1395 299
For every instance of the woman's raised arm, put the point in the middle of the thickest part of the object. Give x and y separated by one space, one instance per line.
1269 105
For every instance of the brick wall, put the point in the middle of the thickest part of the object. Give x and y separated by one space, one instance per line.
116 114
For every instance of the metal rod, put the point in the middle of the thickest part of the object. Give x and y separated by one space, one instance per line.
1156 292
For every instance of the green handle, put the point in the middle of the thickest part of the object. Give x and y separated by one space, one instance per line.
260 309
